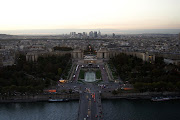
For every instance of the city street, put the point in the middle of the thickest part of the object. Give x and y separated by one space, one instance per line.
90 103
103 74
90 107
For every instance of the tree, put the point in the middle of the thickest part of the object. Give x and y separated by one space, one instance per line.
31 77
59 71
114 92
70 91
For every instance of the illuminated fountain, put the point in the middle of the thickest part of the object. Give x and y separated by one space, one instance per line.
90 76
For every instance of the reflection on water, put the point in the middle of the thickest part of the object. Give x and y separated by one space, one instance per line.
140 110
39 111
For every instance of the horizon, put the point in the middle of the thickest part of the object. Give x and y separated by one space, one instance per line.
103 31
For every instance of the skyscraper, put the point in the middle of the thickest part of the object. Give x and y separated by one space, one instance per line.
113 35
84 35
91 34
79 35
99 34
72 34
95 34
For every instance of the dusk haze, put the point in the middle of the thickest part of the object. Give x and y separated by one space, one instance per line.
89 14
89 60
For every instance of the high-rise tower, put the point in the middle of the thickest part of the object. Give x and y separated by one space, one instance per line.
95 34
99 34
91 34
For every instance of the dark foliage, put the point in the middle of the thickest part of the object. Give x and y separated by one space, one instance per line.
146 76
32 76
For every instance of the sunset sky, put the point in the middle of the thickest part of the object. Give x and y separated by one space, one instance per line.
89 14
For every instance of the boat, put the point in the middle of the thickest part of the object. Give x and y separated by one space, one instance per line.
160 99
58 100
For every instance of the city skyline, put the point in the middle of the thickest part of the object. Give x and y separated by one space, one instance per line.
79 14
104 31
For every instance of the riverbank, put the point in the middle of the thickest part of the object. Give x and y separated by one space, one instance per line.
71 97
37 98
145 95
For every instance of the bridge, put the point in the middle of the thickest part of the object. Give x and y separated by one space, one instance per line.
90 107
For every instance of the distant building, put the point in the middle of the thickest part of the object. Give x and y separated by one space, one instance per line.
7 57
170 61
144 56
103 53
72 34
77 54
95 34
179 36
113 35
99 34
91 34
105 35
84 35
79 35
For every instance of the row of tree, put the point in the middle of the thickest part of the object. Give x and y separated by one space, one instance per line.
32 76
146 76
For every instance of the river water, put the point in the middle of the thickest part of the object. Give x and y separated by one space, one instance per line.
141 110
112 109
39 111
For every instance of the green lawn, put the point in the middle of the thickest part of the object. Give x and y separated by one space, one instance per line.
81 74
98 74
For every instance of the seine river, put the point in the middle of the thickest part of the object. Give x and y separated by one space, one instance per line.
112 109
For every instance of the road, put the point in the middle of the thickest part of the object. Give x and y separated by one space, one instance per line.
76 73
103 74
90 103
90 107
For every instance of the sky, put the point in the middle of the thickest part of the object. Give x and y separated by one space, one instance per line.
89 14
